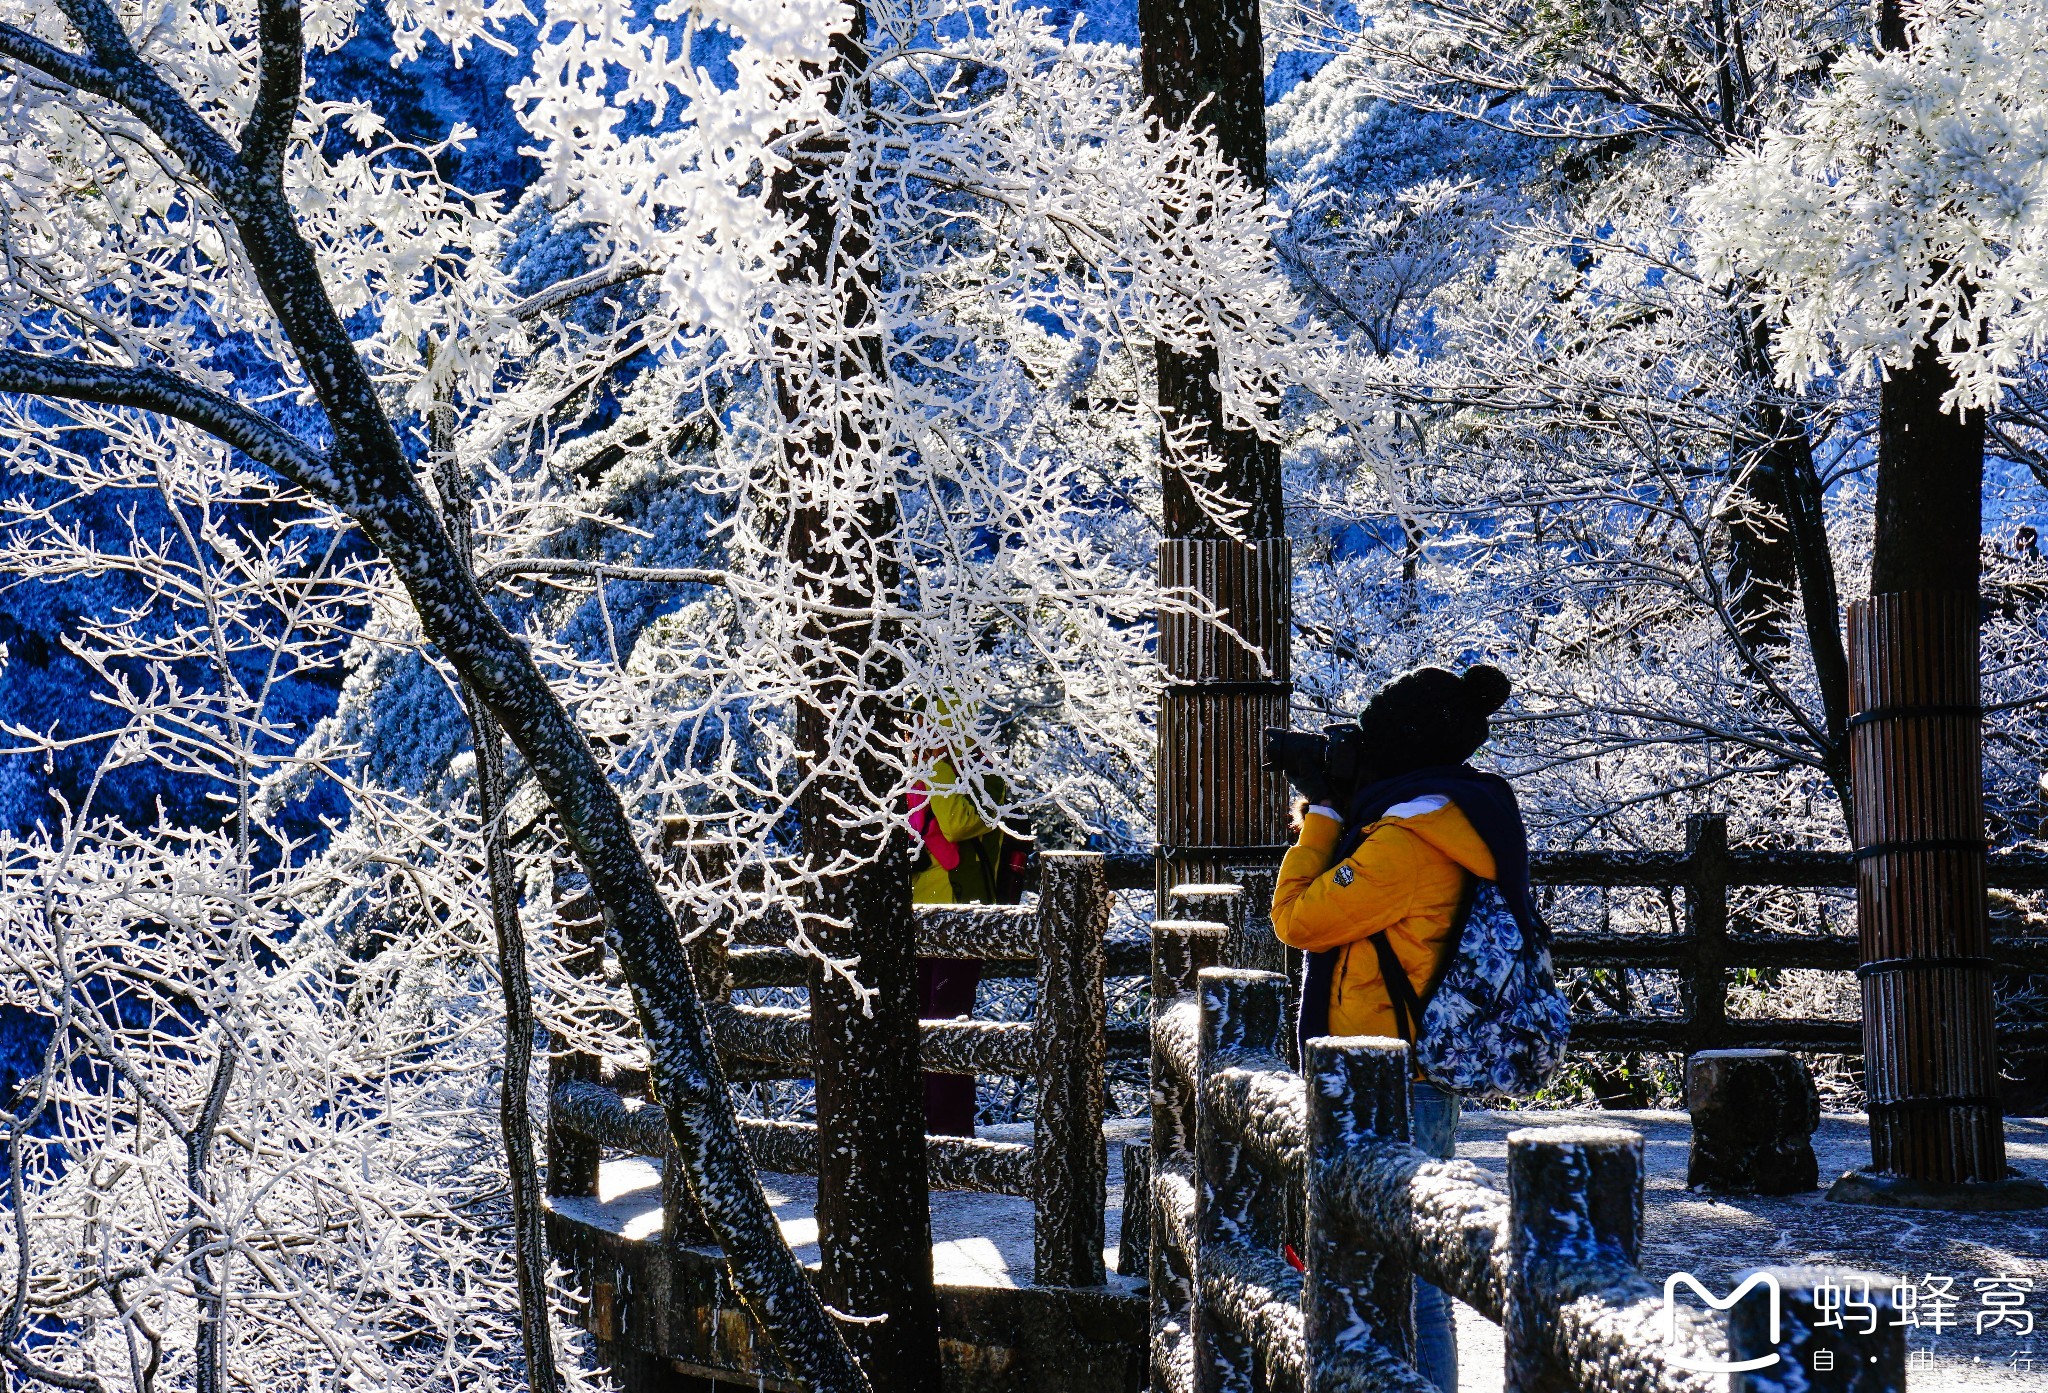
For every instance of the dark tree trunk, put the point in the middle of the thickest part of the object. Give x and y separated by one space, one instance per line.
1775 556
1930 484
1203 64
1762 571
874 1214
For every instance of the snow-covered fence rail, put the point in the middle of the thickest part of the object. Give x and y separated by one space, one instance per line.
1252 1157
1063 1171
1706 948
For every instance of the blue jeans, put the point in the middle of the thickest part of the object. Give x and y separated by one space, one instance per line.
1433 1121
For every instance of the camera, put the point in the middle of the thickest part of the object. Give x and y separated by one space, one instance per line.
1323 767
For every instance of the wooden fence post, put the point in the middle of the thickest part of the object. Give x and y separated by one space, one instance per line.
1575 1207
1706 912
1244 1023
1069 1160
1258 947
1180 950
1217 902
1354 1298
572 1159
1860 1349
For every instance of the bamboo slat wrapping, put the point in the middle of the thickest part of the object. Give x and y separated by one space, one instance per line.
1916 757
1223 647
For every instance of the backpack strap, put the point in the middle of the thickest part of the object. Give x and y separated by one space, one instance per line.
1466 902
1408 1004
1400 991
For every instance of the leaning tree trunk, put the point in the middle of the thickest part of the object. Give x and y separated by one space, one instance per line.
1216 807
874 1209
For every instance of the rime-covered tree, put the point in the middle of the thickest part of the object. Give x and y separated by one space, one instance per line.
907 451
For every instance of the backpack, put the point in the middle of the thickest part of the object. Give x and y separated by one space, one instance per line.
1493 1020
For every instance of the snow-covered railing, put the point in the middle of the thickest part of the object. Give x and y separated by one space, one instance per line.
1706 949
1252 1158
1064 1170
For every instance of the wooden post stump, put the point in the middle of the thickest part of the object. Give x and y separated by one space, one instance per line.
1181 949
1069 1159
1753 1117
1244 1022
1134 1233
1575 1213
1357 1305
1220 903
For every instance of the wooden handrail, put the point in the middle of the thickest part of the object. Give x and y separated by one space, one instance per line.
1063 1172
1552 1259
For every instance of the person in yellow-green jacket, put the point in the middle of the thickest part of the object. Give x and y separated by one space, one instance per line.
1396 832
963 860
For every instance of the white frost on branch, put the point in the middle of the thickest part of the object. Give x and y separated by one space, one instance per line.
1906 203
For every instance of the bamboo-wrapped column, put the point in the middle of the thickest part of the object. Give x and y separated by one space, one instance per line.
1930 1050
1223 645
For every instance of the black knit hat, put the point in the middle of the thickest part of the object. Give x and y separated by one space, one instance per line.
1431 716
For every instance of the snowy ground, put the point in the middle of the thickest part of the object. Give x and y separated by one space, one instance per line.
1715 1239
985 1240
977 1240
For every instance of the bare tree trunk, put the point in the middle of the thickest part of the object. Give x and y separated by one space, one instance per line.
515 1120
1774 556
515 986
874 1209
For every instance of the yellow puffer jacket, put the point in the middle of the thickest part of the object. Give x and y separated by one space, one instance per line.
1406 879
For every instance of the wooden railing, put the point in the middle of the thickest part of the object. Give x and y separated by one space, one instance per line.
1703 951
1060 943
1706 949
1251 1156
1064 1169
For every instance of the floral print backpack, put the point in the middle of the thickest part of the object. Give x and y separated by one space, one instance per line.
1493 1021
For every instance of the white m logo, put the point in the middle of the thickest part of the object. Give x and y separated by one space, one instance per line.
1761 1279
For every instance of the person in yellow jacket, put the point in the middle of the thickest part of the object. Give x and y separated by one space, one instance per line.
1408 879
963 860
1378 881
